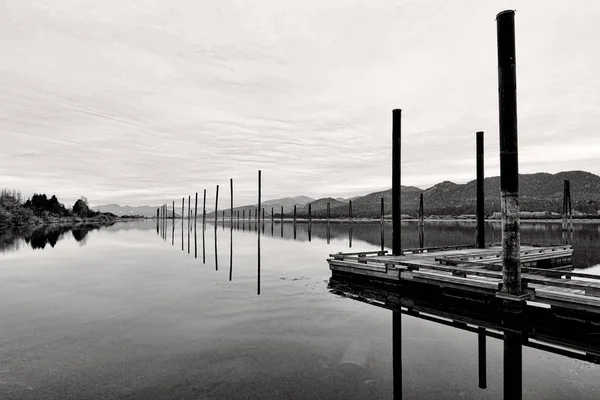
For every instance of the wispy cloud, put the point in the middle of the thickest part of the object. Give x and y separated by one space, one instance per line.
145 101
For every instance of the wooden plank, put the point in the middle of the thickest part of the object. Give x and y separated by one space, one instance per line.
568 298
358 253
455 281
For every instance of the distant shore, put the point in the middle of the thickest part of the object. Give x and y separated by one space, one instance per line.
388 221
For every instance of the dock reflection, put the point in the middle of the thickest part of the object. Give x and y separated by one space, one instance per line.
539 328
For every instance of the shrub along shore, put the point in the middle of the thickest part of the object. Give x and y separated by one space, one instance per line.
40 210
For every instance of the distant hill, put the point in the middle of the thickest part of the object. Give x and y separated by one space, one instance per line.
319 207
538 192
287 203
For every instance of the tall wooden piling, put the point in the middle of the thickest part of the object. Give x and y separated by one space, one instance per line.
272 215
157 215
328 212
509 160
196 210
567 213
480 241
204 211
421 212
382 211
173 212
216 206
350 211
294 215
258 208
189 208
309 214
231 202
396 153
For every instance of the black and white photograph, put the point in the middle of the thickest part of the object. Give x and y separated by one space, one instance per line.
285 199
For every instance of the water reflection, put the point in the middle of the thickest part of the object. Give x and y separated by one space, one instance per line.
40 237
586 237
539 328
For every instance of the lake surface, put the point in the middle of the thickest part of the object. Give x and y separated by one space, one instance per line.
137 311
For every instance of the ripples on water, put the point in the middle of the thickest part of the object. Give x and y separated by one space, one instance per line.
142 311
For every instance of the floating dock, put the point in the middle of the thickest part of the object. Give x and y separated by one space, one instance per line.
546 274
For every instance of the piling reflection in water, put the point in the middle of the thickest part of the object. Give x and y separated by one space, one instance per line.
231 253
216 250
538 328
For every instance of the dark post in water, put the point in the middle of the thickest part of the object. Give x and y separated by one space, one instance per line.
204 211
258 208
328 212
216 206
231 203
421 212
480 193
396 131
195 210
350 211
382 211
509 160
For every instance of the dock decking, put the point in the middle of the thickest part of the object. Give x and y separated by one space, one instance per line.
546 275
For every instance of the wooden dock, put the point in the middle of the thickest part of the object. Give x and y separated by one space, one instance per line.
546 273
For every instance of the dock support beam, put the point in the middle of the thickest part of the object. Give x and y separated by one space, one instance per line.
480 193
396 213
509 160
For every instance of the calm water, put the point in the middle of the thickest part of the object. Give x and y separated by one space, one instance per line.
132 311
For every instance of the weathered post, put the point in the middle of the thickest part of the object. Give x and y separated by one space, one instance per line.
182 210
480 192
204 211
157 215
328 212
231 203
281 216
272 216
382 211
258 208
509 160
173 212
564 210
189 208
223 219
309 214
350 211
294 215
421 212
196 210
216 206
396 133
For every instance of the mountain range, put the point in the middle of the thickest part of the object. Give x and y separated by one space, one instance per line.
538 192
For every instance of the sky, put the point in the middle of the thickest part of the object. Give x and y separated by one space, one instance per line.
146 101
